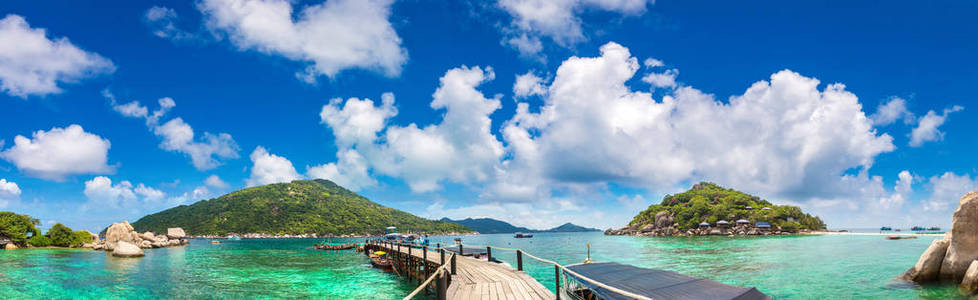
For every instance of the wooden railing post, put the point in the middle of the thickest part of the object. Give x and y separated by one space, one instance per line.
424 261
453 264
460 249
442 285
488 254
519 260
442 256
438 245
557 282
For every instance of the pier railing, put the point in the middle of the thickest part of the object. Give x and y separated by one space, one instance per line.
444 271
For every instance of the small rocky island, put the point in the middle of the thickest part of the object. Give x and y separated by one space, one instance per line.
953 258
124 241
709 209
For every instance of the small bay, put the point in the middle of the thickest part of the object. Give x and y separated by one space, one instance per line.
786 267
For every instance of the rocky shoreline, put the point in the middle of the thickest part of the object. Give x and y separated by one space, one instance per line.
953 258
123 241
304 236
664 225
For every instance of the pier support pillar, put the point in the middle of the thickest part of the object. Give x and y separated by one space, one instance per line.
488 254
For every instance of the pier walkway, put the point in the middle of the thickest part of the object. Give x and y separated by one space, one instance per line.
466 277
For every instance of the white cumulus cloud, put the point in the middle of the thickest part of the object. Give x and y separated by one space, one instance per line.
33 64
928 128
101 193
161 21
205 153
557 20
9 191
527 85
947 189
215 182
782 137
60 152
460 149
891 111
269 168
331 37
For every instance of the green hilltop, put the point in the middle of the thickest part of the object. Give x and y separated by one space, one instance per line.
708 202
318 207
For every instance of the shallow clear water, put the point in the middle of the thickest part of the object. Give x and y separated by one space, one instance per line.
795 267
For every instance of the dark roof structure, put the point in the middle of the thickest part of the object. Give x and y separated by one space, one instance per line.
763 225
657 284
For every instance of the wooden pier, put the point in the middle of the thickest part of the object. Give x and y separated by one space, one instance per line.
458 276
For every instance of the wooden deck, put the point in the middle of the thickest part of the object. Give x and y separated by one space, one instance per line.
480 279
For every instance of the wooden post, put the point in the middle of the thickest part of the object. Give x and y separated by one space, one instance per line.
442 256
424 261
519 260
453 264
557 277
442 285
460 249
410 263
488 254
438 245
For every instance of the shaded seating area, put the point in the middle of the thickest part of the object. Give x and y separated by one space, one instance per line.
704 225
723 223
652 283
743 222
763 225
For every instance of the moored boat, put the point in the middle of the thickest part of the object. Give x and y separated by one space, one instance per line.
884 228
521 235
379 260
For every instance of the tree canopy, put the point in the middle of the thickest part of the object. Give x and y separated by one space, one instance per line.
708 202
17 227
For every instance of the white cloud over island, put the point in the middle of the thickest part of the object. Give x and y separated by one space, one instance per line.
783 138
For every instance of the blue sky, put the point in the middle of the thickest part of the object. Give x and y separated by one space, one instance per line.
535 113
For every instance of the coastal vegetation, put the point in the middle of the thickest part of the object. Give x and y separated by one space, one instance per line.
709 202
318 207
22 230
18 228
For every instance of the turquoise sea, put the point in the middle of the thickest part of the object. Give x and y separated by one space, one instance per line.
787 267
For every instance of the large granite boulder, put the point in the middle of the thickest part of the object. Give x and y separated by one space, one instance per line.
175 233
10 246
928 267
963 248
147 236
969 284
121 232
648 228
663 219
126 249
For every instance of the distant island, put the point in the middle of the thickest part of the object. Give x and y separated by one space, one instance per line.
489 226
298 208
709 209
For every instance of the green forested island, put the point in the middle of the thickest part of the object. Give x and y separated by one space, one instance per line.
489 225
708 202
318 207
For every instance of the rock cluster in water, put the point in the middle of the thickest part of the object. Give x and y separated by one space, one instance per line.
124 241
664 226
955 257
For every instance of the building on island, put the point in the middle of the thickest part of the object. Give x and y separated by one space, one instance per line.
723 223
763 225
743 222
704 224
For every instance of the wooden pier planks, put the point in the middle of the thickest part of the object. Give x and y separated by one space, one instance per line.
478 279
